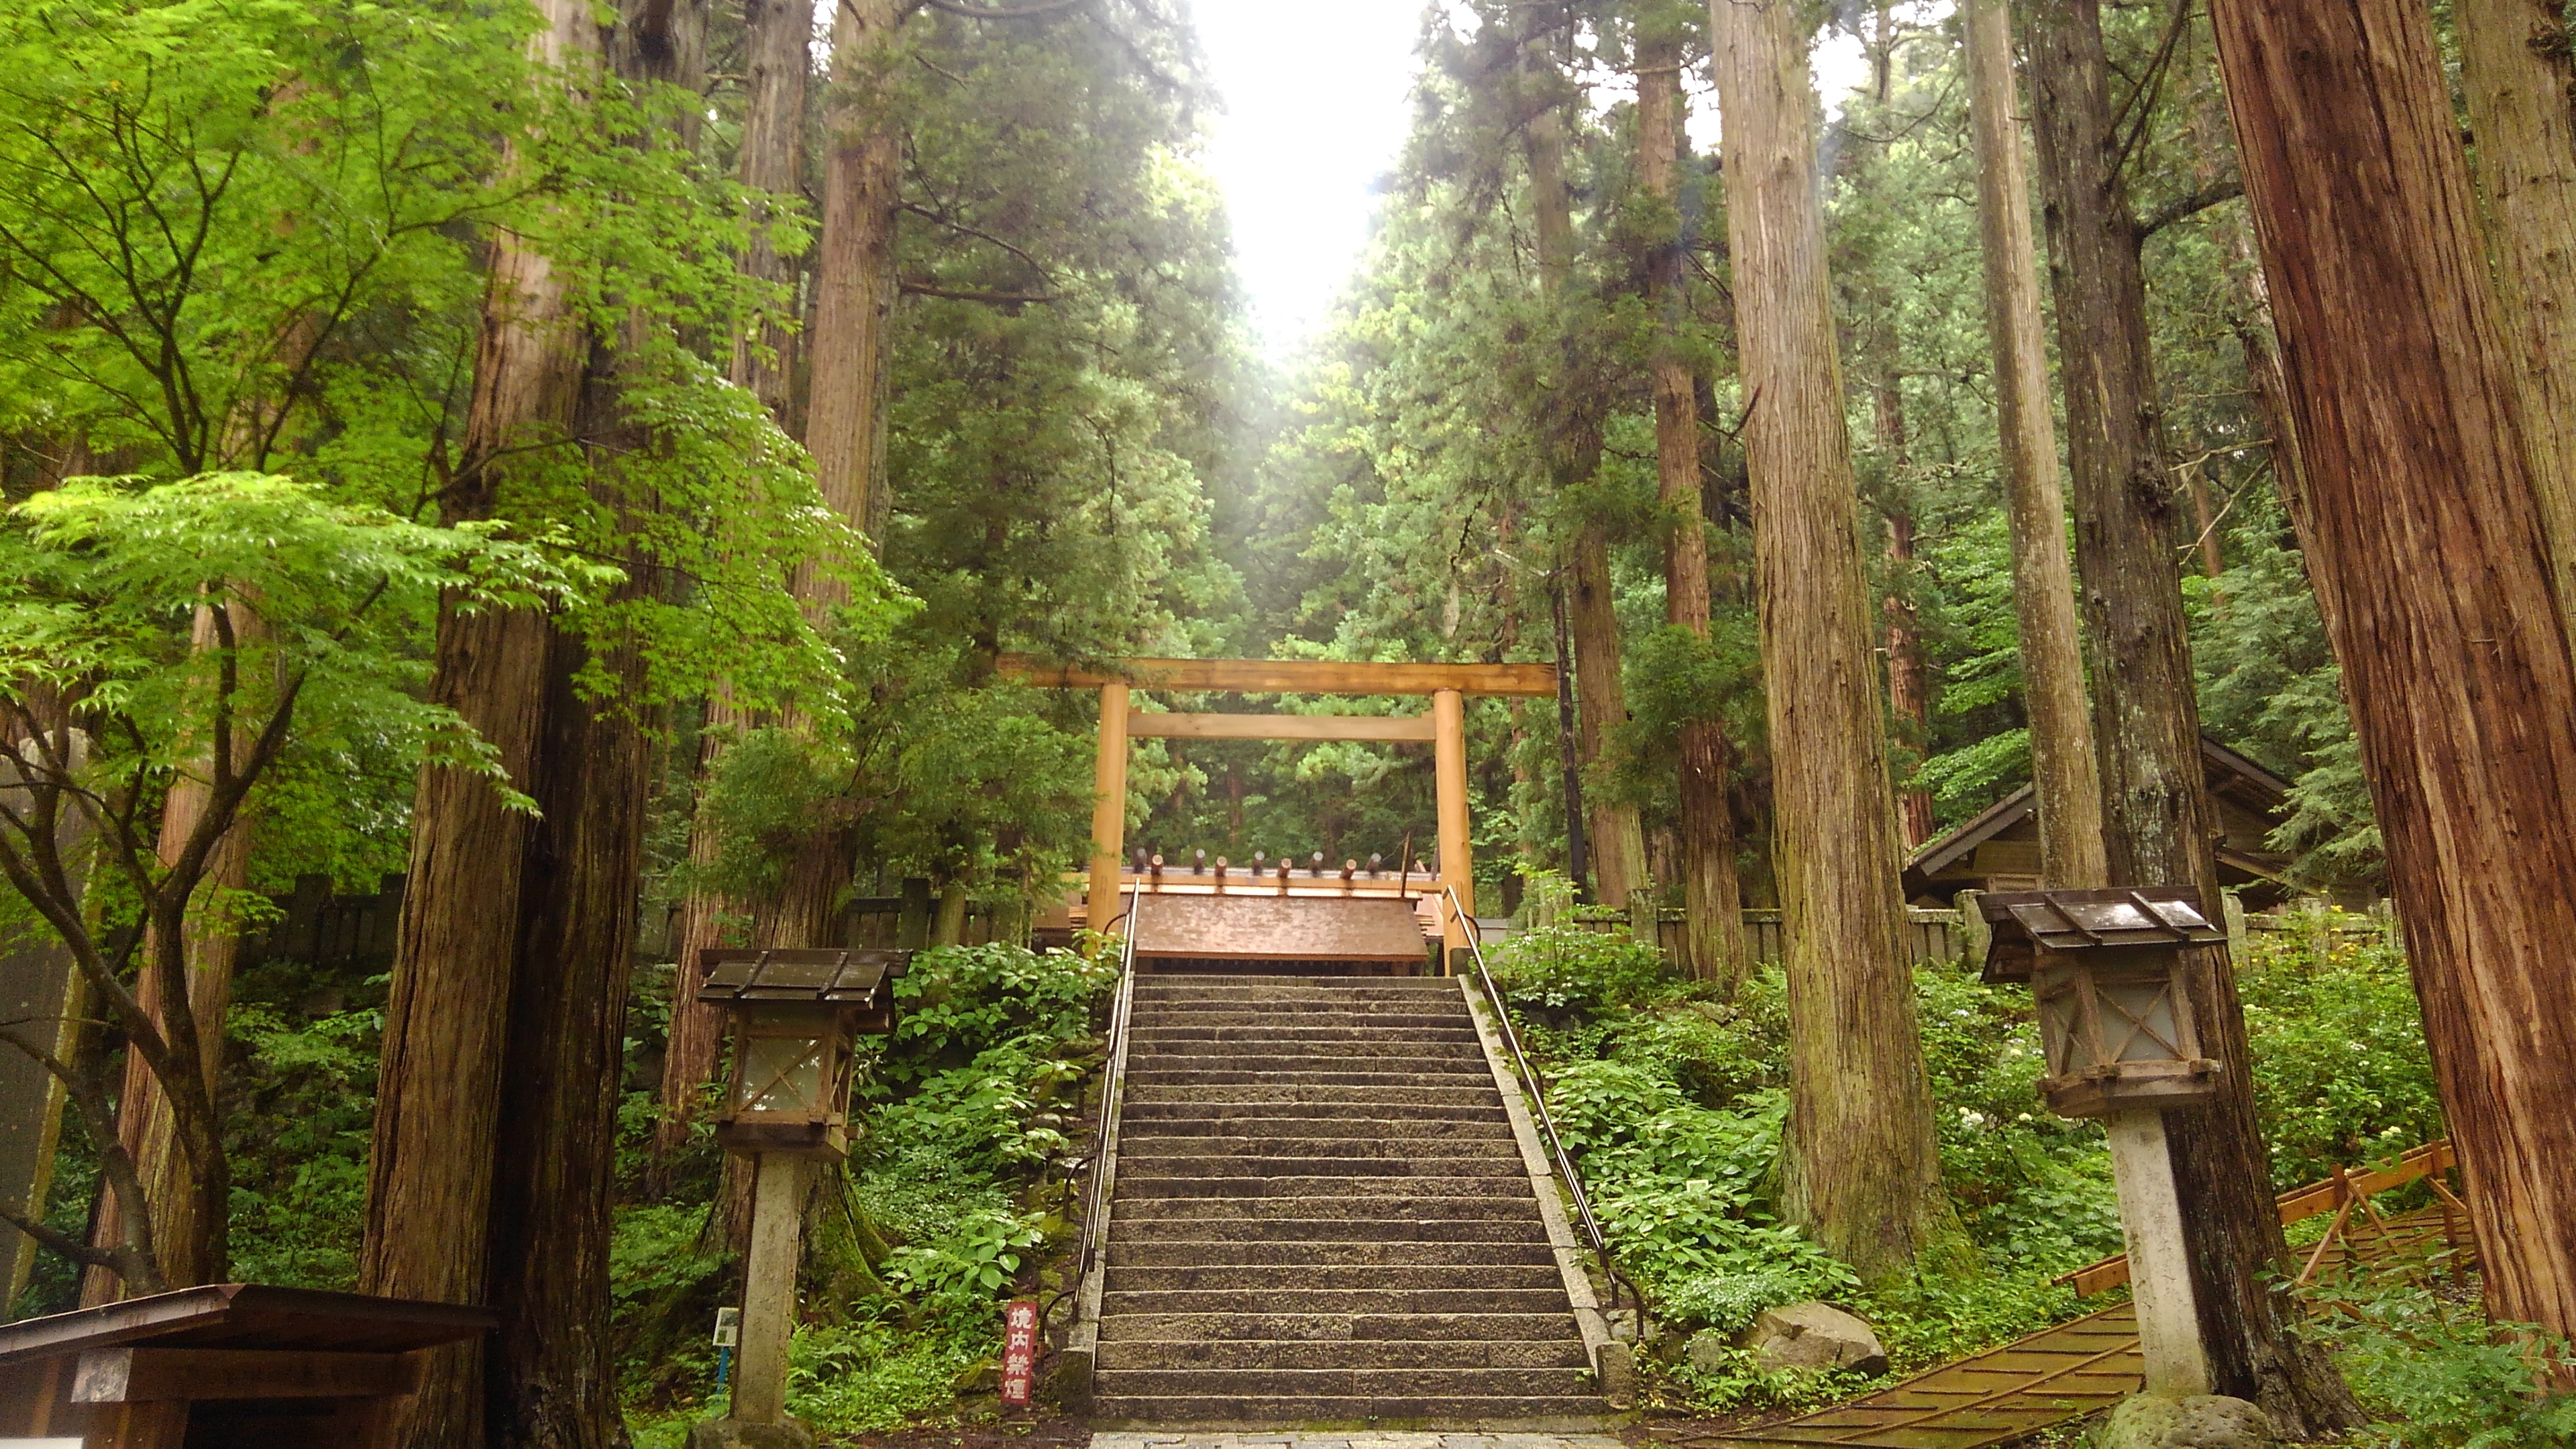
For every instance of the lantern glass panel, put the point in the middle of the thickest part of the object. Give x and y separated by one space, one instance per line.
781 1074
2138 1021
2060 1018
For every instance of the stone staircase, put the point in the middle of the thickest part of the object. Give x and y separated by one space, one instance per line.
1321 1213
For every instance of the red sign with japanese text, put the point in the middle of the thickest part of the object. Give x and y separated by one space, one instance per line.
1019 1350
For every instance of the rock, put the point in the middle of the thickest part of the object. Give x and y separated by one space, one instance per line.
1616 1370
982 1377
1814 1336
2203 1421
735 1434
1623 1324
1707 1351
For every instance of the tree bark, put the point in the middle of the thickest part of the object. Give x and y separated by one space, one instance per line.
2431 555
1861 1173
438 1097
2515 65
779 37
1712 903
556 1374
854 278
1909 698
1615 839
2063 772
778 44
186 1239
2157 820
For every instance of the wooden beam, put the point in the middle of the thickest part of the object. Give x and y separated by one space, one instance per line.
1290 676
1280 726
1449 773
143 1375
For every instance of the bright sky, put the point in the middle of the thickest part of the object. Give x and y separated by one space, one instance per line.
1317 100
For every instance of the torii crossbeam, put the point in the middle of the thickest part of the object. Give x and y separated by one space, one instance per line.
1445 730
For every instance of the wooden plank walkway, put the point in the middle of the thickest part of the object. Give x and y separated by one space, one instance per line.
1993 1398
2062 1373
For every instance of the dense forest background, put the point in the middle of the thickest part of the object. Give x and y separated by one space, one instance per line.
249 262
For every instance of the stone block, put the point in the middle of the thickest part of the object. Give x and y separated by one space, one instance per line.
735 1434
2203 1421
1814 1336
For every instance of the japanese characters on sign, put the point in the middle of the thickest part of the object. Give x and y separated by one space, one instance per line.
1019 1350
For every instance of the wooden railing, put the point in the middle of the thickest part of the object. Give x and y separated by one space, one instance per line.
2344 1194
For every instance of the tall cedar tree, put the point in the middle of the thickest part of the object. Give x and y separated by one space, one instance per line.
2430 554
778 36
438 1096
2514 65
1712 902
1614 836
2156 811
2064 776
1861 1172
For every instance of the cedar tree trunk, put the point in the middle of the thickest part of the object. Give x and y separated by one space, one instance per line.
2063 774
2157 820
438 1093
2514 60
1861 1173
2429 550
1712 904
1615 839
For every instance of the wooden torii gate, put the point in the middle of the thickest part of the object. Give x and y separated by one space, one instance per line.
1444 730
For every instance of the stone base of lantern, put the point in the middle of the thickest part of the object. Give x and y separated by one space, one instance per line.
2200 1421
735 1434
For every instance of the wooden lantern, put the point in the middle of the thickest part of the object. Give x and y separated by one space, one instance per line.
2115 1012
795 1015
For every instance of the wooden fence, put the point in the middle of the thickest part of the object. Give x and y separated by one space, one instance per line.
1933 934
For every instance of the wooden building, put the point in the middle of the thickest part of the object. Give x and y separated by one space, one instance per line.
1998 850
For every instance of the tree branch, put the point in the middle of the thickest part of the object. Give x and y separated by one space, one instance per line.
2181 208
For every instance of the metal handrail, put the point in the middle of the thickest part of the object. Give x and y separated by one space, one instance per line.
1534 1088
1113 1086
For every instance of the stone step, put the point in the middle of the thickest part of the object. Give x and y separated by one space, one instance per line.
1267 1119
1568 1414
1267 1254
1165 1030
1225 1170
1126 1226
1406 1327
1331 1186
1333 985
1394 1053
1316 1383
1284 1277
1469 1353
1224 1014
1415 1207
1209 1147
1319 1094
1300 1302
1273 1071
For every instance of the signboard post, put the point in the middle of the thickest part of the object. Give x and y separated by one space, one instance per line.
728 1334
1019 1350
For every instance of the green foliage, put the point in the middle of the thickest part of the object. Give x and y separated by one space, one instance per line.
976 1258
2341 1071
1566 969
2436 1374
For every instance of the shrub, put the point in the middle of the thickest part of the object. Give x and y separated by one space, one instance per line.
2341 1071
1571 972
2436 1374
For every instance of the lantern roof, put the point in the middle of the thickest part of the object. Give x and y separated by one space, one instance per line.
804 977
2087 920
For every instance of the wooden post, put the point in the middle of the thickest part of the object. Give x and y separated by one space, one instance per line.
1449 772
1109 807
769 1290
2159 1271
